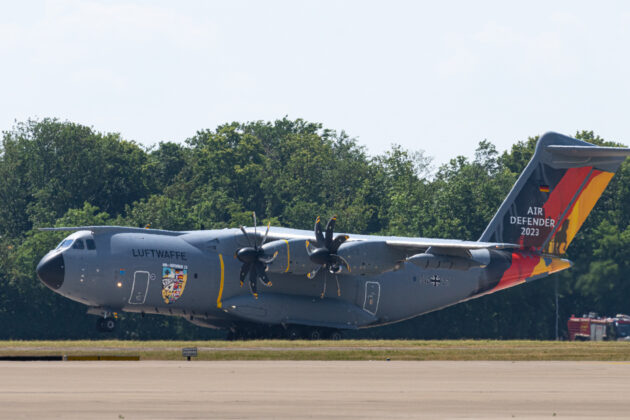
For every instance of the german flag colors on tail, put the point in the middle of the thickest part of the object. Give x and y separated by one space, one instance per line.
511 268
554 194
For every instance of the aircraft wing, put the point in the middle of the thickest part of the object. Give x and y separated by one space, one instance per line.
394 241
113 229
399 243
444 247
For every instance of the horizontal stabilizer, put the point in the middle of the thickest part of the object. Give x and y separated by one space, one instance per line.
588 151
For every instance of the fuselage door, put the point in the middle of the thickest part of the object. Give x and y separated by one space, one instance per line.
372 295
139 288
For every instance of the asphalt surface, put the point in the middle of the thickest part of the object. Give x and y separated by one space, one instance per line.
313 390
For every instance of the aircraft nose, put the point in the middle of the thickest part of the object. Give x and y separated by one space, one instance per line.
51 270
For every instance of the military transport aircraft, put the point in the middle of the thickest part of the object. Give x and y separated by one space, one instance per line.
277 282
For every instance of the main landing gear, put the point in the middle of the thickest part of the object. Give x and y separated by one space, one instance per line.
299 332
290 332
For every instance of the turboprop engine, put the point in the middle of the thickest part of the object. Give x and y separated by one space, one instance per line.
292 256
363 257
370 257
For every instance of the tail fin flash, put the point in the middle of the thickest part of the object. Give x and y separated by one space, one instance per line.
554 194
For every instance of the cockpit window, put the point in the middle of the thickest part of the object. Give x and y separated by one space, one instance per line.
64 244
78 244
90 244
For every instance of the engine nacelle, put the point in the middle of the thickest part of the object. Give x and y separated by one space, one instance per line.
446 262
369 257
363 257
292 256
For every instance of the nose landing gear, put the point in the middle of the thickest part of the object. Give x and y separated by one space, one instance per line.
107 318
106 324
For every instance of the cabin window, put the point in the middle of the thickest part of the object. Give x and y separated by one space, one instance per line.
78 244
90 244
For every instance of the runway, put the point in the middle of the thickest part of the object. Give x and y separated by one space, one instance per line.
313 390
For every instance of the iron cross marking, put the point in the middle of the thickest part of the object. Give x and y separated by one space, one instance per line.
435 280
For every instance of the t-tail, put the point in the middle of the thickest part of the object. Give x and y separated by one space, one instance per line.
554 194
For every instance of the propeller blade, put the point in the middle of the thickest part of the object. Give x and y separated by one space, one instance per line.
255 232
342 261
261 275
321 296
313 273
244 270
246 236
337 243
265 259
266 233
319 236
330 227
310 248
252 282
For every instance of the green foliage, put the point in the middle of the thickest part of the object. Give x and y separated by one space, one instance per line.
467 194
288 171
49 167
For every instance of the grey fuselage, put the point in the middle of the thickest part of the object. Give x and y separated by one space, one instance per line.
196 275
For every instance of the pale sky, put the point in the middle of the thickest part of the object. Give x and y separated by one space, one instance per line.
436 76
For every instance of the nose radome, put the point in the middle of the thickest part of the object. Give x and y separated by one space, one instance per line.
51 270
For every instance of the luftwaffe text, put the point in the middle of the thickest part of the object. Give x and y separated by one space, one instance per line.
159 253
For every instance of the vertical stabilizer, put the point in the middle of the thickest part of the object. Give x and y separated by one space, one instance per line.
554 194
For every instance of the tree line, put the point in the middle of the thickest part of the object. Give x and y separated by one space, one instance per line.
59 173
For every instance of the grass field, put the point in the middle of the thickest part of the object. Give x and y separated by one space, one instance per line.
332 350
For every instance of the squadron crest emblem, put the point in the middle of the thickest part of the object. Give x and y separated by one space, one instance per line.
174 278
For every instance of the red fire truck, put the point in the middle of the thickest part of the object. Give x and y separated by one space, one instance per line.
592 327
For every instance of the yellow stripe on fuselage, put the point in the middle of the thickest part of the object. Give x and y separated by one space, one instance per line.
288 256
219 303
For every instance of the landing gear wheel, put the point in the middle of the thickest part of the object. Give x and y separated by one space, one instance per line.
293 333
110 324
335 335
315 334
106 324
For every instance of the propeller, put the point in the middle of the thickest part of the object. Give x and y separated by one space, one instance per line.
324 252
254 259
